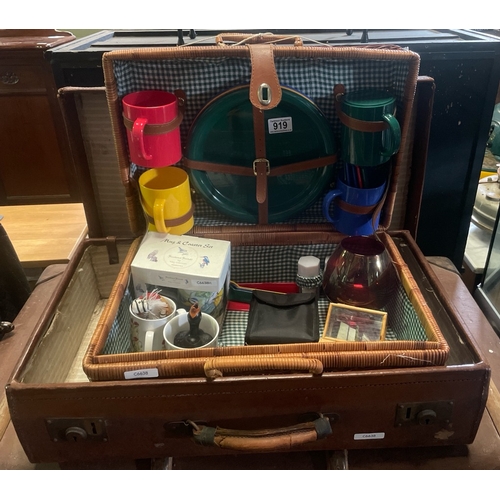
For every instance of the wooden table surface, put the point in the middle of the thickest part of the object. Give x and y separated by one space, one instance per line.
44 234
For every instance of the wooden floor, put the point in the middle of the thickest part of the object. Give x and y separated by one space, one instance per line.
44 234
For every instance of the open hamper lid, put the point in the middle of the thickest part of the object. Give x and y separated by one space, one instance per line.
204 73
207 74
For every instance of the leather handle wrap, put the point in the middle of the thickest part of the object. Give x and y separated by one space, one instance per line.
217 366
284 438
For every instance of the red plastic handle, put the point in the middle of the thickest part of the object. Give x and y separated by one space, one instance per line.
138 137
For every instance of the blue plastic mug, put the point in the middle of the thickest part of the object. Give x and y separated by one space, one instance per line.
353 209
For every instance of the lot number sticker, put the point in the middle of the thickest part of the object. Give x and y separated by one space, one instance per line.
146 373
280 125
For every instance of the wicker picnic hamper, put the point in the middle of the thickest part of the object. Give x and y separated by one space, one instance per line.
202 73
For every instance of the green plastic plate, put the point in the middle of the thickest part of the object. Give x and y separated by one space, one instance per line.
296 130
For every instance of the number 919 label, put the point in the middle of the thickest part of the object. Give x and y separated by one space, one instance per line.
280 125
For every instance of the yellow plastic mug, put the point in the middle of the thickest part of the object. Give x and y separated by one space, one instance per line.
166 200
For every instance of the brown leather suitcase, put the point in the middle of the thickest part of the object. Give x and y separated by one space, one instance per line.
58 419
61 416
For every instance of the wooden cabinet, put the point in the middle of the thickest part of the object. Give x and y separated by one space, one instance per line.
36 166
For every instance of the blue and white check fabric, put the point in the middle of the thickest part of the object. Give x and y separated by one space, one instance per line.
277 263
203 79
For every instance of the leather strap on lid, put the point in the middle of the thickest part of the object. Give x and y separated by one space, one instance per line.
354 123
289 168
265 88
261 168
264 93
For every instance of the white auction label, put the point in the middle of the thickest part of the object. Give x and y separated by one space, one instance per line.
280 125
146 373
369 435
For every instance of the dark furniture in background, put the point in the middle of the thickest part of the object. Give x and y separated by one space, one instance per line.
35 163
14 287
465 65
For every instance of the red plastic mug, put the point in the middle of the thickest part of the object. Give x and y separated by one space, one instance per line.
152 119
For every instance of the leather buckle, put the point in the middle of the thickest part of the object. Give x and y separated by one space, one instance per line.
261 160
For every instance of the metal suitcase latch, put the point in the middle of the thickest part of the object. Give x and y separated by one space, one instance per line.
77 429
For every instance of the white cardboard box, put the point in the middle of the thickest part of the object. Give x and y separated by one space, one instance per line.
197 269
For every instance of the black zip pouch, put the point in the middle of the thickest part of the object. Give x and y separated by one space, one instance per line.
282 318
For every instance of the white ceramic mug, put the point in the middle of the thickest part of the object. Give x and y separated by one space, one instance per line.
147 334
180 323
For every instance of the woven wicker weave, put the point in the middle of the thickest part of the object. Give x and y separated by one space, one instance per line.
237 360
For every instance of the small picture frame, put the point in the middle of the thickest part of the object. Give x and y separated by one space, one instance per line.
346 323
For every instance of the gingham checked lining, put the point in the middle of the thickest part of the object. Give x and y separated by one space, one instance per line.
203 79
273 263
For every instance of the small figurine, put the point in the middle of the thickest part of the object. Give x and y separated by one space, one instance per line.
195 336
194 319
151 306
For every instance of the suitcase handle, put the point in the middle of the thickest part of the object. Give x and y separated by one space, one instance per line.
257 38
282 438
216 366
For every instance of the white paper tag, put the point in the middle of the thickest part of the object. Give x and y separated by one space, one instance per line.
280 125
146 373
362 436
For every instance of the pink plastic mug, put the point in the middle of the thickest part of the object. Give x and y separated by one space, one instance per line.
152 119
